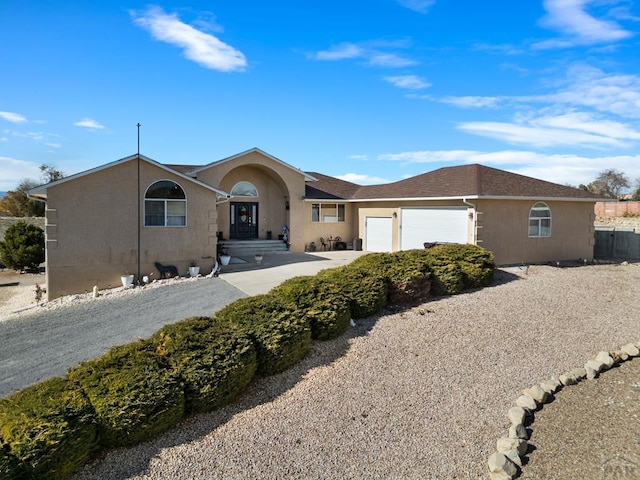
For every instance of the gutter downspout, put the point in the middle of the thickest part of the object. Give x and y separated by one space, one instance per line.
475 219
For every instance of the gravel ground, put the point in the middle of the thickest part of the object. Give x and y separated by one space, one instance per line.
75 328
416 394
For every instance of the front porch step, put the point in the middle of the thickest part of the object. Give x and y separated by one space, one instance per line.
248 248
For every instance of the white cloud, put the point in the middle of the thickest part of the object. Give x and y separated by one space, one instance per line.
390 60
375 54
562 169
359 157
410 82
539 136
471 101
587 122
570 18
420 6
89 123
587 86
13 117
13 171
203 48
362 179
340 52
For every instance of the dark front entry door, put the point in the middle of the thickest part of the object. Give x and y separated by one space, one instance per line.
244 220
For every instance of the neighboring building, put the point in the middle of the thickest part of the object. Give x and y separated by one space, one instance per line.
98 220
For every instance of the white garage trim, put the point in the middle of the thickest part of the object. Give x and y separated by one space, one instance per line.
378 234
432 224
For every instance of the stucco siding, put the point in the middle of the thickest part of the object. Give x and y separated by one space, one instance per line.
276 184
313 231
92 229
503 228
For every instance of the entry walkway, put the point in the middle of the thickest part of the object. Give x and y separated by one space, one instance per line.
254 279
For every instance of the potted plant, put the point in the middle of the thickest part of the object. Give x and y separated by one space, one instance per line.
127 280
258 257
225 258
194 270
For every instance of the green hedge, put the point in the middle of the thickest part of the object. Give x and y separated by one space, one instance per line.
47 430
365 290
134 393
408 280
215 360
324 304
279 330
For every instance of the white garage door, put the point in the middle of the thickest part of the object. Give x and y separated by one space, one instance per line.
436 224
378 234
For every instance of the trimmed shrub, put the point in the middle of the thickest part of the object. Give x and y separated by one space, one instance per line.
325 306
408 281
215 360
279 330
474 266
135 394
10 467
366 290
48 431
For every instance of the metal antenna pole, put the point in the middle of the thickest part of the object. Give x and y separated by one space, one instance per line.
139 202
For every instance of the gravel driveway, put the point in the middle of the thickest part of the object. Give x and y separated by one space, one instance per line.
415 394
67 335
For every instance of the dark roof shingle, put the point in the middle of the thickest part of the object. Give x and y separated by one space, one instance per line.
459 181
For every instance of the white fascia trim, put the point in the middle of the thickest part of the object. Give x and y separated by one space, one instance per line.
41 191
462 199
253 150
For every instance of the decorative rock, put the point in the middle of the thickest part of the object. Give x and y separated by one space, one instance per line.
514 457
578 374
550 386
631 350
605 359
517 415
499 476
622 355
567 380
596 365
591 373
500 464
518 431
518 444
537 393
526 402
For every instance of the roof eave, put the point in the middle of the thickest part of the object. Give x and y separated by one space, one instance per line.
253 150
41 190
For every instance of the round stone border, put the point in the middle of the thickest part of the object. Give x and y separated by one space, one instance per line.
506 462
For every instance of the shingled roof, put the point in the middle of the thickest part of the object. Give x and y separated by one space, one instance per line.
449 182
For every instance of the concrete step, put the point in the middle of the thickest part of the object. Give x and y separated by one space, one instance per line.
248 248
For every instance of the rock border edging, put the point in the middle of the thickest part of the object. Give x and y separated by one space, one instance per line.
506 462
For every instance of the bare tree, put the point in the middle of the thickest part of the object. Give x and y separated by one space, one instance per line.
16 203
609 183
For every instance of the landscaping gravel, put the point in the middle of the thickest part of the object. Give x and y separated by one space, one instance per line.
76 328
416 394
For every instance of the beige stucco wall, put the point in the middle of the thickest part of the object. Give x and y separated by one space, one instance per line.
276 184
346 230
92 234
384 209
503 229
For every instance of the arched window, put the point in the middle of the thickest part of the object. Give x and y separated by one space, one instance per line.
244 189
540 220
165 205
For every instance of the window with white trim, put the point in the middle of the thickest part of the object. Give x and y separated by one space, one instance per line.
327 212
165 205
540 220
244 189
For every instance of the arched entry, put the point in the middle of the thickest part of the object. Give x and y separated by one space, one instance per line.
244 220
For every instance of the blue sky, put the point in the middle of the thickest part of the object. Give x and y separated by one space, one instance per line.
366 90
